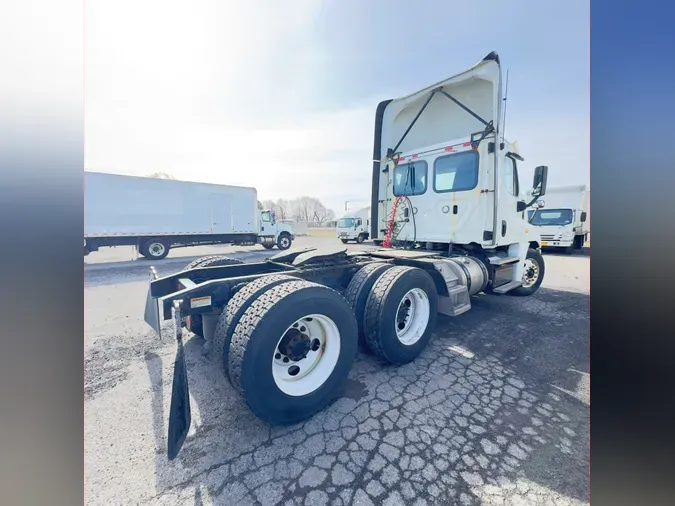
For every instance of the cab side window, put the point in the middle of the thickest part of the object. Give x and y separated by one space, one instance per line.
511 176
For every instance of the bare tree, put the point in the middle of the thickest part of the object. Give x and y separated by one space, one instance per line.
302 209
282 209
308 209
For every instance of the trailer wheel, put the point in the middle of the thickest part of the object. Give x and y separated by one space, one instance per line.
284 241
533 275
268 246
358 290
400 314
360 239
292 350
194 323
234 310
155 249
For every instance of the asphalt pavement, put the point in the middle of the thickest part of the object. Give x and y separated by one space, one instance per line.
495 411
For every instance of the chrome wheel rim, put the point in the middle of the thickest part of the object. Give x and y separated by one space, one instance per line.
157 249
531 273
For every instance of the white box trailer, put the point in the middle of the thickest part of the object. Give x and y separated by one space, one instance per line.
563 217
156 215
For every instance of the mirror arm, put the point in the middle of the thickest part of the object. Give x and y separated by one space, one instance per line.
529 204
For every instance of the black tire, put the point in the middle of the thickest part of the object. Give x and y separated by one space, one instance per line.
254 343
377 243
380 317
284 241
198 261
344 241
360 239
579 242
268 246
155 249
522 291
358 291
234 310
194 323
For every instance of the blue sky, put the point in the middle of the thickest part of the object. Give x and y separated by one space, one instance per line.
282 95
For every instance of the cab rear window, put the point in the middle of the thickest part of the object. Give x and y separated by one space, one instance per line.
456 172
410 178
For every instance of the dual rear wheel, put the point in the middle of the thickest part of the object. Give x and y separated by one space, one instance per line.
291 349
287 345
395 308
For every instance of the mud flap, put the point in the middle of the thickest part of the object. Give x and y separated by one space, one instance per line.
179 412
151 315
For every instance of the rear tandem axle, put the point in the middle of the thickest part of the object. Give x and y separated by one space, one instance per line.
286 330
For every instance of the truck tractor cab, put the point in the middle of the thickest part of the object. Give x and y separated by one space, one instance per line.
447 206
273 232
562 219
446 179
354 226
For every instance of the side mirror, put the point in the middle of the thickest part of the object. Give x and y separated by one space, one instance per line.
583 217
521 206
539 182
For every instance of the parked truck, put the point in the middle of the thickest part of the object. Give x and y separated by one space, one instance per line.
445 193
563 218
354 226
156 215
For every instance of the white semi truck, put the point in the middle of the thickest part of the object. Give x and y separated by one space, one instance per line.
445 194
156 215
354 226
563 217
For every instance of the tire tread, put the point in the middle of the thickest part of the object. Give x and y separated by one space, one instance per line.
355 291
374 304
245 329
234 310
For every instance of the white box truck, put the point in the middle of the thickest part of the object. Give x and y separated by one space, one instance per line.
156 215
285 331
354 226
563 217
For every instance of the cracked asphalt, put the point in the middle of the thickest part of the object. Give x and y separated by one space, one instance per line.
495 411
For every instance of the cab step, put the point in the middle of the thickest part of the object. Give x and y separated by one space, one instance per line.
495 260
507 287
